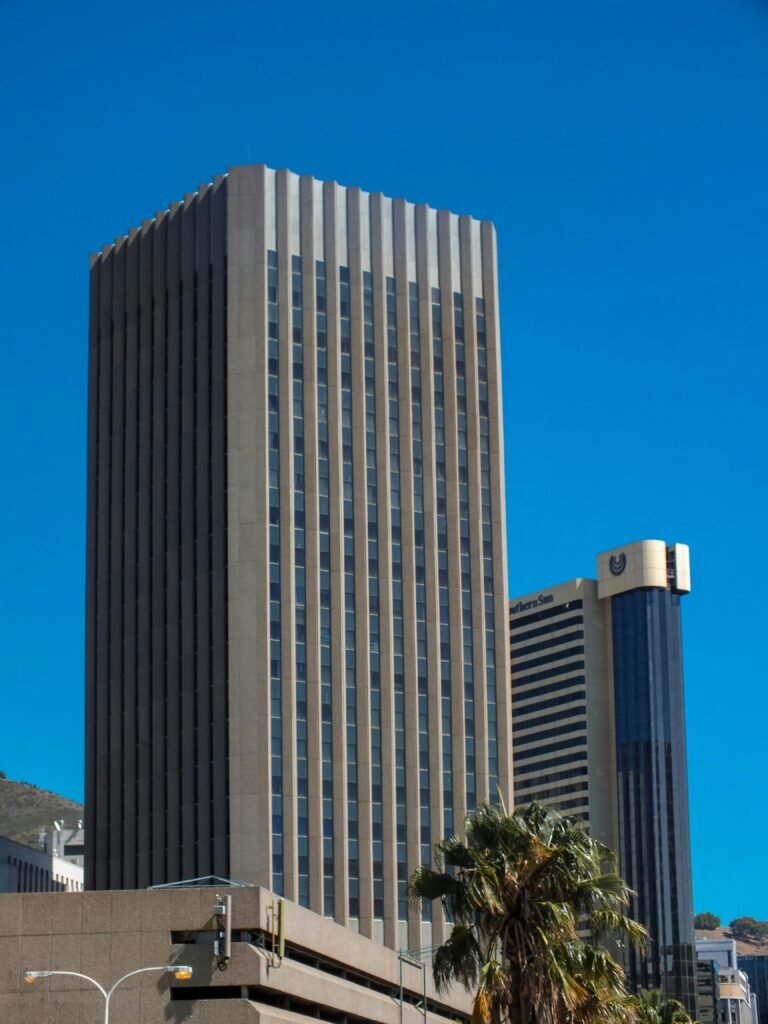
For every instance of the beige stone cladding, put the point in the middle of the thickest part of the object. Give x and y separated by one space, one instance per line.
601 717
298 674
644 563
563 704
327 971
550 708
404 490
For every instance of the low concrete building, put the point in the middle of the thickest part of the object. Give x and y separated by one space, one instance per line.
721 950
327 972
751 957
738 1003
26 869
65 841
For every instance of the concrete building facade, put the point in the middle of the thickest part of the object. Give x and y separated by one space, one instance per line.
26 869
739 1001
64 841
599 733
326 972
721 950
297 669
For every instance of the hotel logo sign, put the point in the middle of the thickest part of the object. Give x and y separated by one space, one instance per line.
617 564
524 606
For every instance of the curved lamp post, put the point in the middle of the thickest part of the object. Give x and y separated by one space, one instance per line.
180 971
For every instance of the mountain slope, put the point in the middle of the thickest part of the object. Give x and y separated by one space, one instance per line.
24 809
742 948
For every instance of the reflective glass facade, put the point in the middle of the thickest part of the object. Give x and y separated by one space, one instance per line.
654 837
599 733
756 969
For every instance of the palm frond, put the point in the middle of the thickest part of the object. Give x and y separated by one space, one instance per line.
517 888
457 960
426 885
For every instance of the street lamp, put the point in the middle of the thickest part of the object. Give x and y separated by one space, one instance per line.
180 971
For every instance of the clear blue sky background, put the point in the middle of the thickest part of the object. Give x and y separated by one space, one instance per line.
622 150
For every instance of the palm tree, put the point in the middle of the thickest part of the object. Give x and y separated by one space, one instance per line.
650 1007
517 889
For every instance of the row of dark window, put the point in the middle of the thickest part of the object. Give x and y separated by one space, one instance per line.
546 613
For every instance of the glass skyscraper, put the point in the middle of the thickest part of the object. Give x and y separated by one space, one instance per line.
297 668
599 733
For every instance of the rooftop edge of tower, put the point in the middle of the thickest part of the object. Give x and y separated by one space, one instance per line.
237 178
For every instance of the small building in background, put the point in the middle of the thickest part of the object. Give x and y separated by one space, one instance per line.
720 949
738 1003
64 841
26 869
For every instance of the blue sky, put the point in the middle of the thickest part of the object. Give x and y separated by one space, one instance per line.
622 151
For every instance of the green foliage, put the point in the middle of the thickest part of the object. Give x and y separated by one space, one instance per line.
748 929
650 1007
706 922
515 888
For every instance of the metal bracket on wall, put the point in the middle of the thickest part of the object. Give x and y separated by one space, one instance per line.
276 924
222 946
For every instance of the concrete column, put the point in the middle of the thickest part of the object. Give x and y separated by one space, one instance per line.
362 635
475 513
188 803
498 513
116 541
287 561
452 499
389 830
340 827
312 552
201 482
248 529
409 570
158 569
172 546
130 619
144 557
425 241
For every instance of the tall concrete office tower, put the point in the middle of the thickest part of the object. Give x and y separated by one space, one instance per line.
297 668
599 732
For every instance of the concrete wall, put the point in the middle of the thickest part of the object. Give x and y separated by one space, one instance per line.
327 971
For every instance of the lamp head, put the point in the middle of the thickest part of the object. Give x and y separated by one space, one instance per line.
31 976
181 972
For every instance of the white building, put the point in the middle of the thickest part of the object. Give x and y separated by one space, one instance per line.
738 1003
25 869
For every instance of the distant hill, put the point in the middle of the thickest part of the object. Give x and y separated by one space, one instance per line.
742 948
24 809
